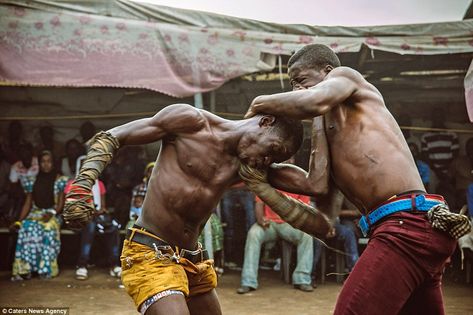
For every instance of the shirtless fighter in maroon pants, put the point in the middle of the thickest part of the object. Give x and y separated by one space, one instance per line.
358 142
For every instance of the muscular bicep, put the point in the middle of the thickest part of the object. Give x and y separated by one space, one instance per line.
289 178
337 87
319 163
172 120
334 90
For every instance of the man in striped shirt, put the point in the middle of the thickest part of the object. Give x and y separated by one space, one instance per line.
440 147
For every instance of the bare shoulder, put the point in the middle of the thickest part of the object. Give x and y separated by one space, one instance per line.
178 118
363 88
346 72
180 109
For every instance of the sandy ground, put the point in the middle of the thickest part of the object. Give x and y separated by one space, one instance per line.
100 294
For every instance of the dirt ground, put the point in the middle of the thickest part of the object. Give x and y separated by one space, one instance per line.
100 294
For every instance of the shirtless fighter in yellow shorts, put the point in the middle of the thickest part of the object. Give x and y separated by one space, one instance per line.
165 270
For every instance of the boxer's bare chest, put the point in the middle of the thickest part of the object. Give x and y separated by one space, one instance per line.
335 122
202 157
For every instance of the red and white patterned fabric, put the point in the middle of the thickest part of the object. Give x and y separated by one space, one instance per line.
133 45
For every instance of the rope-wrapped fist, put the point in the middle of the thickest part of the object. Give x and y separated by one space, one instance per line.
79 207
296 213
252 176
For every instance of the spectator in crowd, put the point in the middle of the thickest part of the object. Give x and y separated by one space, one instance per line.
14 139
461 174
217 241
47 142
27 166
404 120
236 197
440 147
345 230
138 195
103 224
422 167
143 186
5 204
469 200
121 176
269 227
137 200
87 131
39 242
74 149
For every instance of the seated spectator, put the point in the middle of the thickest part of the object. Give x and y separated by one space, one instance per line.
136 205
5 204
47 143
87 131
12 142
465 243
27 166
216 241
103 224
121 176
345 230
461 174
270 227
39 242
469 200
236 196
138 195
422 167
440 147
74 149
404 120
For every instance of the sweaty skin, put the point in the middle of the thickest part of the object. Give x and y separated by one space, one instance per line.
199 158
369 158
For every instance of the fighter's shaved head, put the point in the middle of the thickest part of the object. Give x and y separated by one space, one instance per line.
290 130
315 56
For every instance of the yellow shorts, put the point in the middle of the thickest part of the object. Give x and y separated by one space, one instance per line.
144 275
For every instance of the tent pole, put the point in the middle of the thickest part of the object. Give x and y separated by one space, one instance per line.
198 101
212 101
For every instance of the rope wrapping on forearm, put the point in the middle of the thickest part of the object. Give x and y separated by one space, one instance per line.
298 214
79 207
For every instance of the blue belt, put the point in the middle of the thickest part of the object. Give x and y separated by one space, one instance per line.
419 203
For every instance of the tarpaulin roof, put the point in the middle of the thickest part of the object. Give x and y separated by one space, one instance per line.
175 51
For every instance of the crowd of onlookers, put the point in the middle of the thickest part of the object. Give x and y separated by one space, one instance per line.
443 169
35 178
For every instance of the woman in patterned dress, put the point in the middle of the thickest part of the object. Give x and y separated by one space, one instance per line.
39 242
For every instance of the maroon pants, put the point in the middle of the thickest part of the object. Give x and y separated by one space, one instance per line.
400 270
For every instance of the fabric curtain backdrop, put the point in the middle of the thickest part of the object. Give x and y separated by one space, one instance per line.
175 51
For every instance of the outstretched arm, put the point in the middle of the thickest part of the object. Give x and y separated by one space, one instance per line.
293 179
339 85
172 120
294 212
290 178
